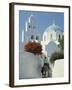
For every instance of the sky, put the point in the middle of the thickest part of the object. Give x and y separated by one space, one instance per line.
43 19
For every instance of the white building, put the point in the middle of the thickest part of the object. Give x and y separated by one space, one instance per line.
30 65
49 38
31 30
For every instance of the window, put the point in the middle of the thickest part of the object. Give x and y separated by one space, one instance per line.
51 37
29 26
59 37
37 38
32 37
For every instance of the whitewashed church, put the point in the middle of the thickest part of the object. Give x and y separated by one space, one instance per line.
30 65
49 39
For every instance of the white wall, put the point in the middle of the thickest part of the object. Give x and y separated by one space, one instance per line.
58 70
4 44
29 66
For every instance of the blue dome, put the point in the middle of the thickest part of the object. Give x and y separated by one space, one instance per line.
53 27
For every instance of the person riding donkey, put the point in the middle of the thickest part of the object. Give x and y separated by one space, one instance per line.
46 70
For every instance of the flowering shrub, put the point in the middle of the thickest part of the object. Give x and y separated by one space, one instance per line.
56 55
33 47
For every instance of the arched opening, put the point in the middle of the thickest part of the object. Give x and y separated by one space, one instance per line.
32 37
51 36
59 37
37 38
29 26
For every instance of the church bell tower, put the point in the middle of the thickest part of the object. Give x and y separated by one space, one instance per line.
31 30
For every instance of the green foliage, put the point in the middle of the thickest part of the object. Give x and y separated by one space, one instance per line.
60 54
56 55
61 43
